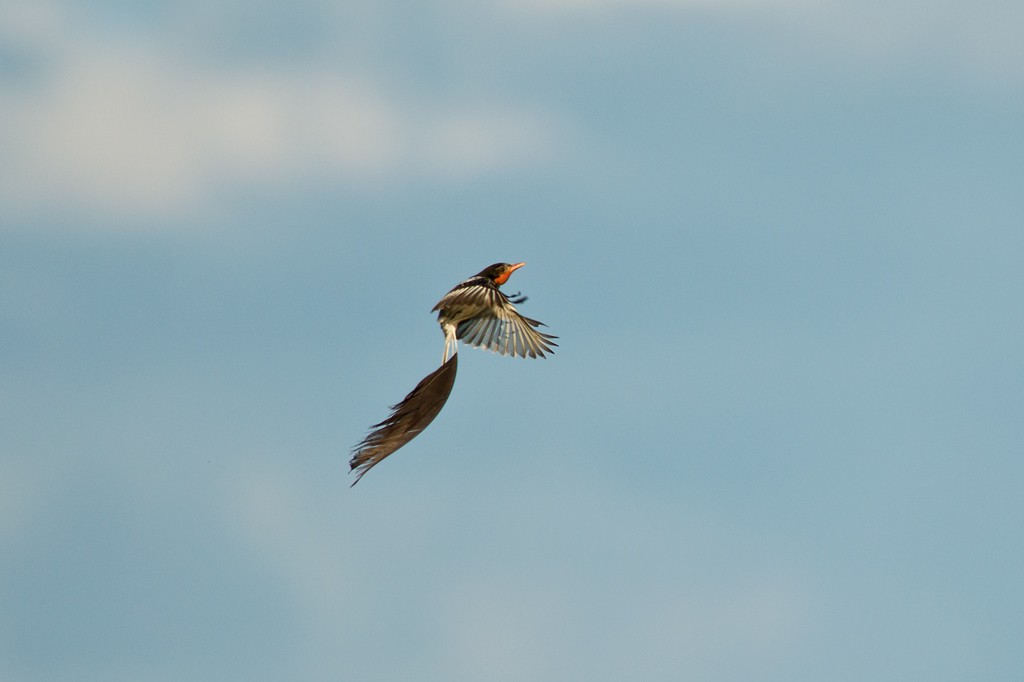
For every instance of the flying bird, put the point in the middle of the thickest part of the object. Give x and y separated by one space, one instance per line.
478 313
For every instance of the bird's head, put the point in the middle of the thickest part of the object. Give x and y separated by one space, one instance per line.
499 272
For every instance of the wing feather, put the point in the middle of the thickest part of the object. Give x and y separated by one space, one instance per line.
503 330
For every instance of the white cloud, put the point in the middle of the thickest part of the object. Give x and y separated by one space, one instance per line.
117 129
28 23
113 126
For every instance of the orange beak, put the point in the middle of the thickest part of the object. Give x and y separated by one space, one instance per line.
503 277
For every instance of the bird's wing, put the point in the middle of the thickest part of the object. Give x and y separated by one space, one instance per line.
471 296
502 329
408 418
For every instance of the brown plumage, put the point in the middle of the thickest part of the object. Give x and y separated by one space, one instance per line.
477 312
408 418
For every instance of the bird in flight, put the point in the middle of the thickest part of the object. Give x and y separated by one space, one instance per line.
478 313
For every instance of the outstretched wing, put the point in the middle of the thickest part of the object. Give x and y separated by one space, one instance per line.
502 329
408 418
469 298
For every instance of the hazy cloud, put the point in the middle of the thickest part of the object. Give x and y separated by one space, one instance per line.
116 128
976 40
109 125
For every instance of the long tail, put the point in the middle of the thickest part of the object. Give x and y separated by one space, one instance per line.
407 419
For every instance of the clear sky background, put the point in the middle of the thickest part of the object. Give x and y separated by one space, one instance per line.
780 241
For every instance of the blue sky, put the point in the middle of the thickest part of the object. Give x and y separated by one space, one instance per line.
779 240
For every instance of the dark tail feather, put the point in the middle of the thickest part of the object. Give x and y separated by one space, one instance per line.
408 418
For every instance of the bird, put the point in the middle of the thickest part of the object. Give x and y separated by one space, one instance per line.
477 312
